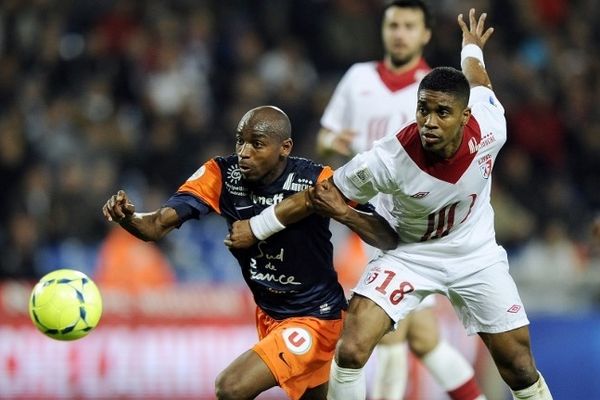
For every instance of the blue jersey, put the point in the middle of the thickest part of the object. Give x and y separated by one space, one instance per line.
291 273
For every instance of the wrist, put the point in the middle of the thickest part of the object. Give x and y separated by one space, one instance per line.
346 216
126 220
471 50
266 223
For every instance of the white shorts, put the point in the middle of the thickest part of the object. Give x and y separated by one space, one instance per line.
484 297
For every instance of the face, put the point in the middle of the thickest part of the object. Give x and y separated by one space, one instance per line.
440 118
404 34
261 155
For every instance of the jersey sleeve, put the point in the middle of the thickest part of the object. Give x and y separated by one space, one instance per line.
325 174
367 173
337 112
206 185
187 207
488 110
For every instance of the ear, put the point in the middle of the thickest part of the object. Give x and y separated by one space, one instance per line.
286 147
466 114
426 36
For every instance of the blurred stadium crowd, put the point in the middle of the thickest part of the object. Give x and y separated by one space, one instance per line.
101 95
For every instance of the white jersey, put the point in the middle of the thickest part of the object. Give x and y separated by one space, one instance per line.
441 208
373 102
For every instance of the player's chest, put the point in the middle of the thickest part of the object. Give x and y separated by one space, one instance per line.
244 201
374 99
419 188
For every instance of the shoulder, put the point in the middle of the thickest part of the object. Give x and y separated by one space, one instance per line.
482 96
298 164
488 112
362 69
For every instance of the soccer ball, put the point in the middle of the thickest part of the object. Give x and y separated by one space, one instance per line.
65 304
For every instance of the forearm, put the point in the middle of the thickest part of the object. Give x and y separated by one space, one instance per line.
148 226
373 229
294 208
475 72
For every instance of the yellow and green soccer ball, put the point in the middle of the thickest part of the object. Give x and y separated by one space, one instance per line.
65 304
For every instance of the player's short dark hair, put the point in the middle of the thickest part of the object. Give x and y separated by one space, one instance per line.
447 80
420 4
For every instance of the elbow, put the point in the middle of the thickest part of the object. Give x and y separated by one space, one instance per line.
391 240
390 244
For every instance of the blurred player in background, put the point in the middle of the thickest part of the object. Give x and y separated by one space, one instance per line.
373 100
291 275
446 233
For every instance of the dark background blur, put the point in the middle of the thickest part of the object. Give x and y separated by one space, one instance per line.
101 95
96 96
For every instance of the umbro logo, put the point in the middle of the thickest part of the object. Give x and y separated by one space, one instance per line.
514 309
419 195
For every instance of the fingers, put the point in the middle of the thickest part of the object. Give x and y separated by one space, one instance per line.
472 21
107 216
476 31
462 24
480 24
227 241
487 35
117 207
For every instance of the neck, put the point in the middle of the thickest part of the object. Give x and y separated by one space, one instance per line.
275 173
450 150
398 69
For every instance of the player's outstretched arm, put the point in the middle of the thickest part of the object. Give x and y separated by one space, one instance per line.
247 232
475 36
373 229
326 199
150 226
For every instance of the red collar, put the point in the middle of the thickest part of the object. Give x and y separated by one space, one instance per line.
449 170
395 82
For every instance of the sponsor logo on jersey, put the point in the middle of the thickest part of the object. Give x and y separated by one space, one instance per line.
419 195
234 175
297 340
324 308
236 190
514 309
486 140
299 185
267 200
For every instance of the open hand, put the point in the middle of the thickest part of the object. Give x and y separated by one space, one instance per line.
118 207
475 33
